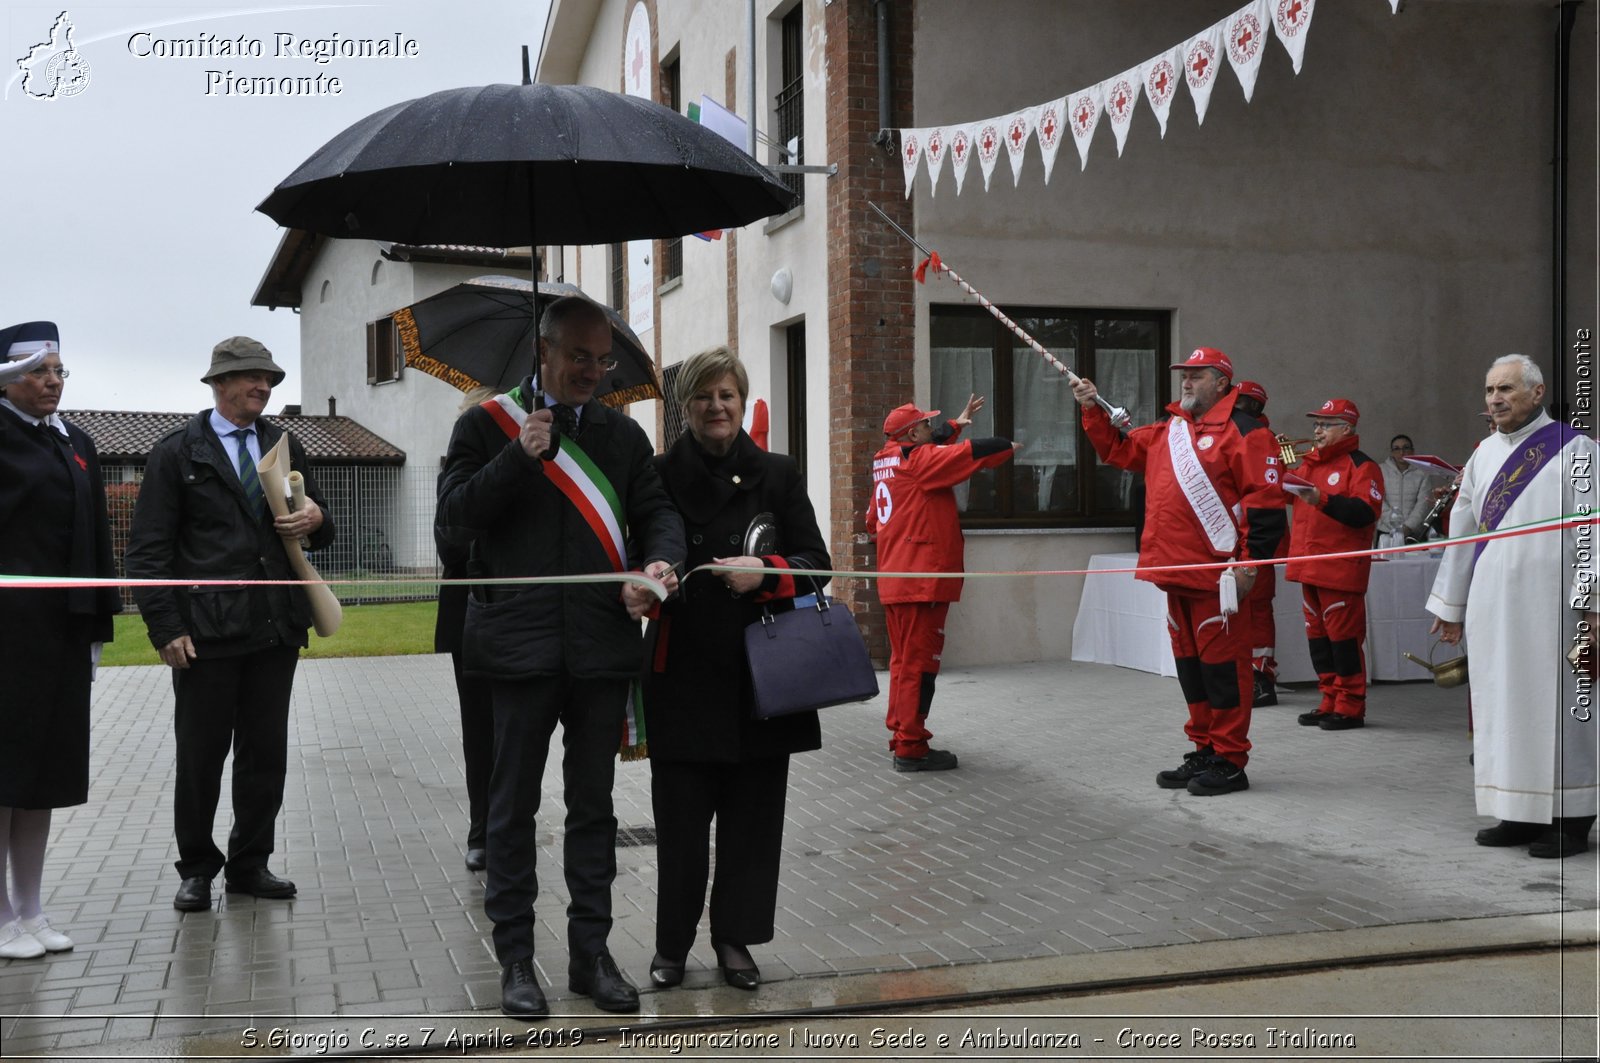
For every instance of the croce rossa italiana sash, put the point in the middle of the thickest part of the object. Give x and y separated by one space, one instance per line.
586 487
1213 514
1519 469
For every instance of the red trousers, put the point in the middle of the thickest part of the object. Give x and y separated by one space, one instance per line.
1257 606
916 640
1213 658
1336 629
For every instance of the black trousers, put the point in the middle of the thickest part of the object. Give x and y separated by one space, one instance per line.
241 703
526 712
477 749
747 801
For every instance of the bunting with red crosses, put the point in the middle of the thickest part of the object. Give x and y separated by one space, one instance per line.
1238 42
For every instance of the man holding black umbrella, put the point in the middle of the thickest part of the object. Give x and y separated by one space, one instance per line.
531 500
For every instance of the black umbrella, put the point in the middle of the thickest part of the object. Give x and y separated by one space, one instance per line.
511 165
481 332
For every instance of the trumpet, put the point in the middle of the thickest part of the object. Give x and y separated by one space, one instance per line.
1291 450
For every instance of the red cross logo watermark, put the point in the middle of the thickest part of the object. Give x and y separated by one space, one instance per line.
637 66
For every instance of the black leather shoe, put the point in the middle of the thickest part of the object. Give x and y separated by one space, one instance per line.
738 968
520 995
1509 832
260 883
601 981
1338 721
477 860
1312 719
1193 764
934 760
194 895
664 973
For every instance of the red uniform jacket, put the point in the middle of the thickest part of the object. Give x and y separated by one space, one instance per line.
913 512
1351 485
1238 454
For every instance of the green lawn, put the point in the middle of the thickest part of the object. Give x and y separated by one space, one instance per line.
367 631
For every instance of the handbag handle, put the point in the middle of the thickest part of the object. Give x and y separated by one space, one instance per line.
822 607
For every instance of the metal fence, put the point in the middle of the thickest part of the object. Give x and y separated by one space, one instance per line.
383 517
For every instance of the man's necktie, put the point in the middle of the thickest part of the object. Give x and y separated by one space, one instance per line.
248 477
567 419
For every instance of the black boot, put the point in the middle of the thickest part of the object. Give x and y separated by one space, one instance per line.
1565 837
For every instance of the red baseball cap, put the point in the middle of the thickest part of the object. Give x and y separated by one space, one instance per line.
1207 358
1338 410
1251 390
903 417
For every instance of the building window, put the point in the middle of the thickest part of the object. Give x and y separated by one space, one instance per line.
795 384
791 101
1054 480
671 409
385 357
672 96
619 278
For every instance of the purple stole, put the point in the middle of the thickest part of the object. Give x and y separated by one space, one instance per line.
1518 471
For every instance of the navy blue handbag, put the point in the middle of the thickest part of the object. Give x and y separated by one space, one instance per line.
810 657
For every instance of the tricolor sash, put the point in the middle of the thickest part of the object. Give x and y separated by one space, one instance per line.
577 477
1516 473
1214 516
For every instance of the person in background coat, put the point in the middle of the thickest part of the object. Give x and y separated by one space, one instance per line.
202 514
710 758
918 527
1334 516
52 523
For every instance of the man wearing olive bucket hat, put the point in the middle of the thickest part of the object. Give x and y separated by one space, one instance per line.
202 514
1526 602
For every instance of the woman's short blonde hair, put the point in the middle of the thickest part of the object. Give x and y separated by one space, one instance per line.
706 368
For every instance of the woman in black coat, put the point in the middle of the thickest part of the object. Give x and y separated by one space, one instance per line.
52 523
710 758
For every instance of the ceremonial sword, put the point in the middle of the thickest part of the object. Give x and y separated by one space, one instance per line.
1119 415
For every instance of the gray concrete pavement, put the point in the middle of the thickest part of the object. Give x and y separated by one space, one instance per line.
1050 843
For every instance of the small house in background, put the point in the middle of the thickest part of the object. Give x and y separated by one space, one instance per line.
359 472
344 292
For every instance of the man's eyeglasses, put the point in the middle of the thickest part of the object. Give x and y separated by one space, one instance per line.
589 361
1328 424
61 372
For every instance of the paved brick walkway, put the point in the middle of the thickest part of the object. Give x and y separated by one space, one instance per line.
1050 840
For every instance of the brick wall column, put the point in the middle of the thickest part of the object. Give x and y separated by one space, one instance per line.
871 316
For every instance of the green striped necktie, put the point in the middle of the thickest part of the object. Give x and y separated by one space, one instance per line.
248 477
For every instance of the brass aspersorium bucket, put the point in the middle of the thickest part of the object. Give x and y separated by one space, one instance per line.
1451 673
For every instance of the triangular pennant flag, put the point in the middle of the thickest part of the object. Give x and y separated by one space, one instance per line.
986 142
1160 77
1202 54
1052 120
1019 128
960 152
1247 43
1291 19
910 154
933 149
1394 7
1083 114
1121 94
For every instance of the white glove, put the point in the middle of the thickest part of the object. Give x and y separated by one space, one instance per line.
1228 591
11 372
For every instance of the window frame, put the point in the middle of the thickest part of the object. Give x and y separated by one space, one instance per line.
380 369
1005 351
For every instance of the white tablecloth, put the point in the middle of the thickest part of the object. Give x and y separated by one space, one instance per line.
1123 621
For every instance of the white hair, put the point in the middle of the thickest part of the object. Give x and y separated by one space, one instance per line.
1531 375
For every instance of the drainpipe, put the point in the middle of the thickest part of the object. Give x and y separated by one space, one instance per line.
750 50
884 138
1558 211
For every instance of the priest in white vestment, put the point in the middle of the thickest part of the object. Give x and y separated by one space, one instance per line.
1524 600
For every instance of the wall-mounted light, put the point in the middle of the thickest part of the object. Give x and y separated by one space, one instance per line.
783 285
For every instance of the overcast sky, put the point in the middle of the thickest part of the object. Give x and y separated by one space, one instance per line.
127 210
